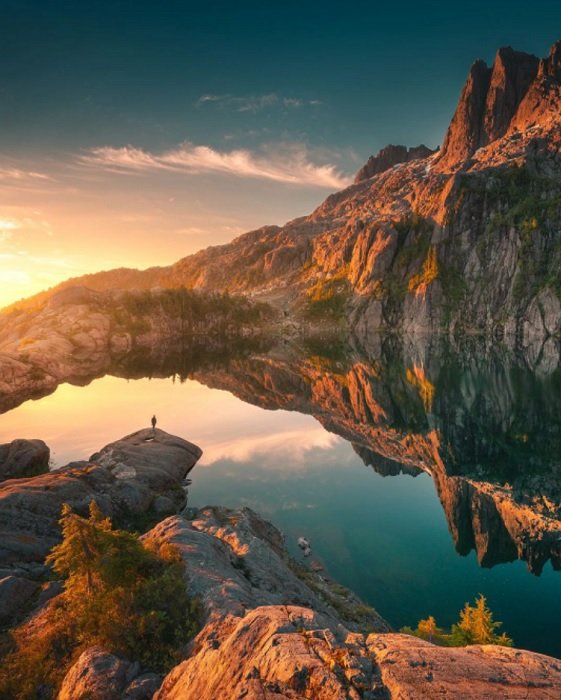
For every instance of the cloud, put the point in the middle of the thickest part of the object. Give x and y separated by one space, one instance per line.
255 103
17 277
30 221
17 174
288 163
290 446
17 178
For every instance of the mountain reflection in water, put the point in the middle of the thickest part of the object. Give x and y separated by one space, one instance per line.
482 421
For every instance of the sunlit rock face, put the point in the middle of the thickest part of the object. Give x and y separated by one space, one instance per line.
270 630
390 156
263 637
464 239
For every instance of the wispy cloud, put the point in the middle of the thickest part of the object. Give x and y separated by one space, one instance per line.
26 221
255 103
19 179
288 163
18 175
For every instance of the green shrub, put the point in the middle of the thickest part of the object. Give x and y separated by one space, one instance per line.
475 626
126 595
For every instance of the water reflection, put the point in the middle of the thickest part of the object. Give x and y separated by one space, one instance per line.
482 420
478 427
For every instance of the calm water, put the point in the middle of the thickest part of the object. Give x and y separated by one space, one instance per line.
386 537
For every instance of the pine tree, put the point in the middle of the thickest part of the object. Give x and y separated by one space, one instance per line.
477 626
428 629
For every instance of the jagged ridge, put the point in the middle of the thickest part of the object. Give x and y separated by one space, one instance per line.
468 238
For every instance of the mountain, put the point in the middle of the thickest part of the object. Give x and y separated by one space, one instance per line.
467 238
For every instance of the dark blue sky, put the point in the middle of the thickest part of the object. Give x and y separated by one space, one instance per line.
81 74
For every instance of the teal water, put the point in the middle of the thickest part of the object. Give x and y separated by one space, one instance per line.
386 537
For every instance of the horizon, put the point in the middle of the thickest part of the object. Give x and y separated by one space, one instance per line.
136 148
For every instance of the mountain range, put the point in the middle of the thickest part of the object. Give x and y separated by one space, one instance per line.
465 238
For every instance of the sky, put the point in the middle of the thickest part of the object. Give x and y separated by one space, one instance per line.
133 133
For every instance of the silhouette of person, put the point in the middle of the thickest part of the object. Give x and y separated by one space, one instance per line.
154 421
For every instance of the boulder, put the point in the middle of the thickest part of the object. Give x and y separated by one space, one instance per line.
21 458
97 675
411 668
124 478
143 687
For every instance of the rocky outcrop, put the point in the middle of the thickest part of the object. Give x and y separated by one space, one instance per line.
126 479
293 653
98 675
295 645
389 156
21 458
412 669
487 106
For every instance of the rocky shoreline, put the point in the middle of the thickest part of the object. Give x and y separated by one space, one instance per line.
271 628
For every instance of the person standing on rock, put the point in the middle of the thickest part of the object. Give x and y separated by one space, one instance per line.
154 421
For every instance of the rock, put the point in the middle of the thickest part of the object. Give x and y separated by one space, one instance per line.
388 157
465 133
286 652
124 478
266 634
512 74
143 687
235 560
16 594
21 458
163 505
97 675
411 668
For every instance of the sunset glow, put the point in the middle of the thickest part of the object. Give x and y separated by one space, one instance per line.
136 151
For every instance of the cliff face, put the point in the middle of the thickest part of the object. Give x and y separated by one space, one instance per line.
468 238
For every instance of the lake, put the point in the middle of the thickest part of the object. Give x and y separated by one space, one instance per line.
388 462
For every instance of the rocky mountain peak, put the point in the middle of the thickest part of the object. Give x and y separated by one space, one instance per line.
389 156
488 103
511 76
551 66
464 134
